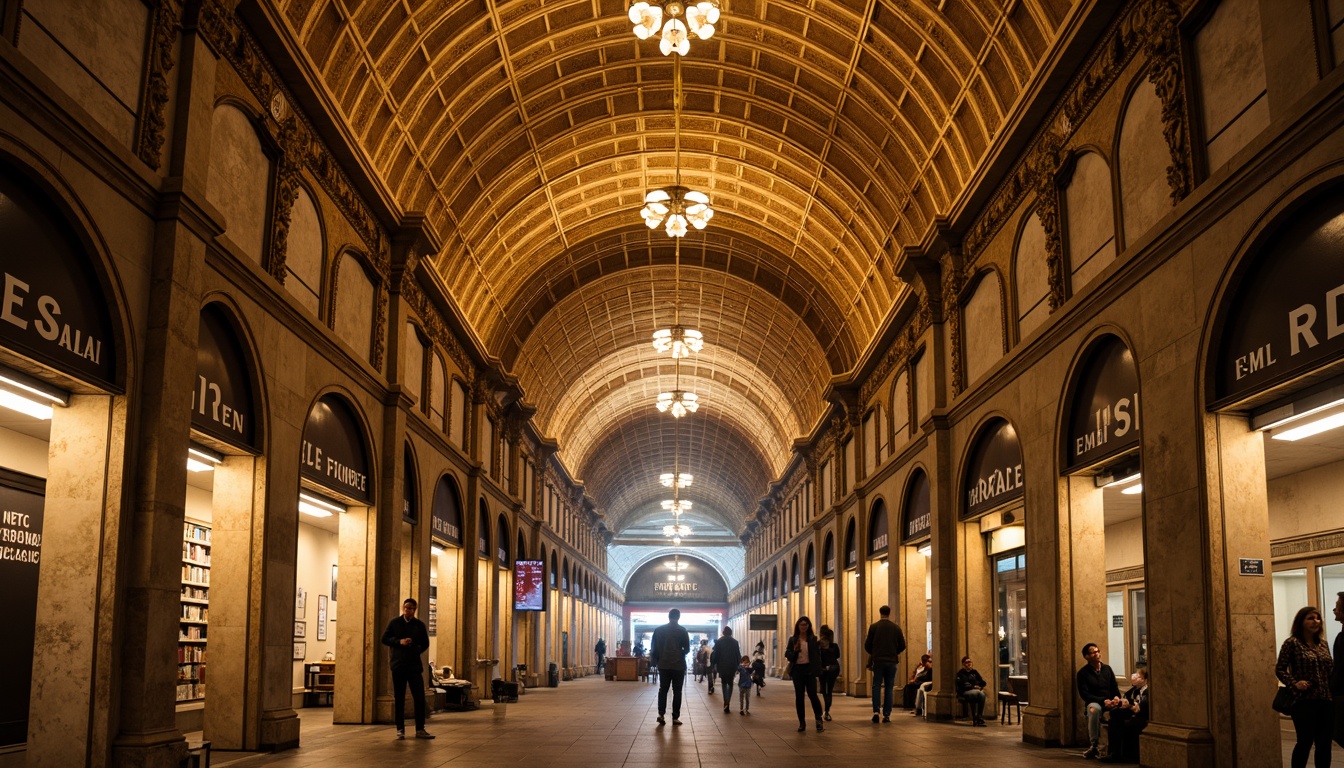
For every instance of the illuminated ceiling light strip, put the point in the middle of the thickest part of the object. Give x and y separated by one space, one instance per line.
317 507
30 386
1310 428
201 459
26 406
1133 490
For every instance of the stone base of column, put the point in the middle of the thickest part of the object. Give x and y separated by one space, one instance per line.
279 729
383 710
158 749
860 688
942 706
1042 726
1175 746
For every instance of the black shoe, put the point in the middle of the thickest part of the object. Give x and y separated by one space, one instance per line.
820 727
661 721
423 734
1092 753
802 727
676 721
828 717
726 708
886 718
876 717
401 734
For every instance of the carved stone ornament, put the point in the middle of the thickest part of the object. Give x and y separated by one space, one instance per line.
380 325
279 107
953 280
293 140
1162 46
1047 162
153 121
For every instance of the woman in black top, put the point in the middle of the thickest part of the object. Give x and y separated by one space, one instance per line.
804 655
971 689
1304 668
830 666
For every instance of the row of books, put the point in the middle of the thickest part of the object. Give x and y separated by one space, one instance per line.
197 553
191 632
194 593
192 672
194 532
195 573
189 691
193 612
190 654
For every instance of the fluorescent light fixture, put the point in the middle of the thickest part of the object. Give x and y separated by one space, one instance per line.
202 460
1283 415
31 386
24 405
1133 490
1316 427
317 507
436 549
1134 478
926 550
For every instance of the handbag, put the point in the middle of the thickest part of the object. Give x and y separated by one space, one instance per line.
1284 700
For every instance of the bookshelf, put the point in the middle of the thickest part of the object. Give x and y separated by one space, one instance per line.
195 614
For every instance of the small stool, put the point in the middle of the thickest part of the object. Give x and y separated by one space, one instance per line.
1007 703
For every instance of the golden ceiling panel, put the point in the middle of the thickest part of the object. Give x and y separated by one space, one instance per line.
827 133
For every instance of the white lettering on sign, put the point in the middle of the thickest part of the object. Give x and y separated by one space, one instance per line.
312 457
997 483
1302 322
47 324
26 544
880 542
219 412
1122 415
917 524
444 528
675 586
1257 360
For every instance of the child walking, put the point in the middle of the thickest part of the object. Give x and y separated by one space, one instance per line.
745 682
758 671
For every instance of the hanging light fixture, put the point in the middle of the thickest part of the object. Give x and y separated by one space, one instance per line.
676 531
678 403
681 342
677 506
683 479
676 208
674 22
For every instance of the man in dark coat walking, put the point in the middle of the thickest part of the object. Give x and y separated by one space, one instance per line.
885 643
408 638
726 657
671 643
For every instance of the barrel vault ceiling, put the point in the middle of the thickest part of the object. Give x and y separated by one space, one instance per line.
827 134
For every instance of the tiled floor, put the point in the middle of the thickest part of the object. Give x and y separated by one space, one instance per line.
592 722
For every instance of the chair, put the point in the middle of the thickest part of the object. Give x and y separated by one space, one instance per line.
1007 702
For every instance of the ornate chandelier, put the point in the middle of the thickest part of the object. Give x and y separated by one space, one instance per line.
674 33
676 531
683 479
672 208
677 506
680 341
678 403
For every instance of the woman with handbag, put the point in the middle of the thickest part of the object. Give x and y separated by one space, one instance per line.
1304 668
804 656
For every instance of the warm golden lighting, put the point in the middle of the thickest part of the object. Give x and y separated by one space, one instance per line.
683 479
678 403
681 342
673 208
674 33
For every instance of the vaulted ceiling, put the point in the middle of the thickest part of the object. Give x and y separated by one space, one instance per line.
827 133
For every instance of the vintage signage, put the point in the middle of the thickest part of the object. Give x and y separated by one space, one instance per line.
877 531
811 566
851 547
1286 317
52 307
483 535
828 556
994 472
21 510
918 510
502 544
221 399
1104 410
446 515
333 453
696 582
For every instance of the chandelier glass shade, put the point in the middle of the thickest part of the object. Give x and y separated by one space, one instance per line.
683 479
677 506
674 208
681 342
677 403
676 531
674 23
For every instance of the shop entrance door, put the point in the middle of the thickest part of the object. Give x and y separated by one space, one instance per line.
1010 585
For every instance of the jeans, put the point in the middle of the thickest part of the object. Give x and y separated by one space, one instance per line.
744 699
726 681
976 698
1094 712
828 687
805 682
884 677
674 678
401 679
1312 719
921 697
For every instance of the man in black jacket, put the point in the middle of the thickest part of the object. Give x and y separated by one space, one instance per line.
408 638
1097 687
1337 673
725 658
671 643
885 643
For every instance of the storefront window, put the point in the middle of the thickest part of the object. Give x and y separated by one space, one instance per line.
1290 594
1010 582
1332 583
1115 633
1138 614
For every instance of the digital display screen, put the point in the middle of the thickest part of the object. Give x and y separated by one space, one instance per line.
529 592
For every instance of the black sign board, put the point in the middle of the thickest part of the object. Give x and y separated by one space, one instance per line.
810 565
1104 406
221 396
1286 317
696 582
52 307
21 507
828 556
918 512
502 544
763 622
994 472
483 534
410 510
333 454
446 514
877 530
1251 566
794 583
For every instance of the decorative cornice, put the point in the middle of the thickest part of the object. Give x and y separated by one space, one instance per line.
433 321
289 170
1111 54
152 122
